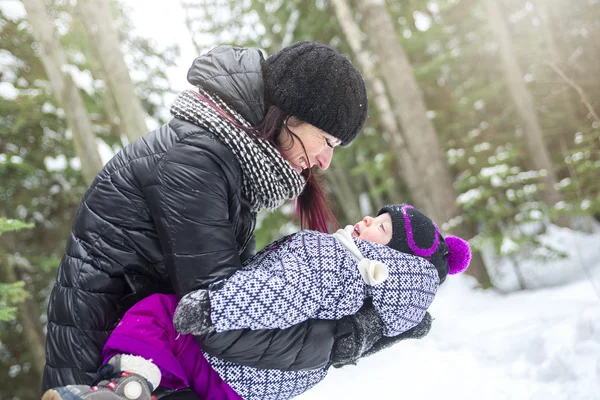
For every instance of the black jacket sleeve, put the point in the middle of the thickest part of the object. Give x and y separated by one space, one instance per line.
188 196
249 251
310 345
303 346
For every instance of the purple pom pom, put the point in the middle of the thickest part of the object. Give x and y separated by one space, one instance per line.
459 254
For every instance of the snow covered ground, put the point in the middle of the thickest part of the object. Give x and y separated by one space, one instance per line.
536 345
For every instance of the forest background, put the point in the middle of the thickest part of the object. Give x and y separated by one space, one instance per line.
483 114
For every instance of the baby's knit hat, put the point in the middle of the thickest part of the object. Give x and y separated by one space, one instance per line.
415 234
317 84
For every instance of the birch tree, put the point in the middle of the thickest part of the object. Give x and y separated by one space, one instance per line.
103 34
554 56
427 156
382 102
409 107
344 193
26 310
28 316
67 93
523 100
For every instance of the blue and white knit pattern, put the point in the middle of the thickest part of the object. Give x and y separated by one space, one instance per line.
312 275
265 384
401 300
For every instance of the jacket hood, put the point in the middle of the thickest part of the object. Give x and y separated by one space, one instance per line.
235 75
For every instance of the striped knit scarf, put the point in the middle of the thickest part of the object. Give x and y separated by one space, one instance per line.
268 179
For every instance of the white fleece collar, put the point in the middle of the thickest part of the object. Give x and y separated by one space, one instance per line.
372 271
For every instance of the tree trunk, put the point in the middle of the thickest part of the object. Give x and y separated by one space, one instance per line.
426 169
423 144
371 184
274 39
67 94
28 316
555 57
290 27
382 102
534 137
345 194
103 34
188 24
110 106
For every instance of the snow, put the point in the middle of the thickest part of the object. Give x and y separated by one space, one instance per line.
83 79
8 91
581 250
470 196
487 172
422 21
534 344
48 108
8 65
56 164
537 345
12 10
75 163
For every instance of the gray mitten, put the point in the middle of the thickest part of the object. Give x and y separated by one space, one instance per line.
361 335
193 313
355 335
417 332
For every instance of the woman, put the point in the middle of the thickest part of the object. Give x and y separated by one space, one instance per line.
397 260
175 210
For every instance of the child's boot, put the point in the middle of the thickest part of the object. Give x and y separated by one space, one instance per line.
115 381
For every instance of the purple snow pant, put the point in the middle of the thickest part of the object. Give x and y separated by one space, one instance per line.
147 330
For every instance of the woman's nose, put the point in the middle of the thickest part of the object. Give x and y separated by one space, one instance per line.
323 159
367 220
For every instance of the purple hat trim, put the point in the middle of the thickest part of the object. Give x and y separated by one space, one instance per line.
459 251
411 240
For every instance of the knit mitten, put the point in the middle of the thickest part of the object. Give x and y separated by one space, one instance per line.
355 335
361 335
418 332
193 313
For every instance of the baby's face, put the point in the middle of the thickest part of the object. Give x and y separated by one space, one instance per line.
378 230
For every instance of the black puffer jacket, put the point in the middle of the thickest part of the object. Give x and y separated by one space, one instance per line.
165 214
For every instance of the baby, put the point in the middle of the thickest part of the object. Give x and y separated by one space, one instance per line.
396 260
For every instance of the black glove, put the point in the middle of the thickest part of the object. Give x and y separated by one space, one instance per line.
361 335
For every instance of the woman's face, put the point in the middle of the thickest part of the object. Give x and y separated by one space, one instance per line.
318 144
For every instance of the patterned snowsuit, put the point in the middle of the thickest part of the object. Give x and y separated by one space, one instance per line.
302 276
